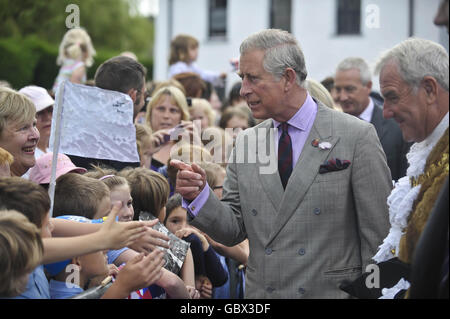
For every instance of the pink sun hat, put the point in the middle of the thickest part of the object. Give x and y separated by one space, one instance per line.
42 171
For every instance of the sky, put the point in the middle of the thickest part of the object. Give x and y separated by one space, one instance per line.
149 7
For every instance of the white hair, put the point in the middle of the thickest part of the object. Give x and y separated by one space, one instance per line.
417 58
359 64
281 51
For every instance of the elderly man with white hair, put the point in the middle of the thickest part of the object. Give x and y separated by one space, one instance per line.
414 80
314 209
353 84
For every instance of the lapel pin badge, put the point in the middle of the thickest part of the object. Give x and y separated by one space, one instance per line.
325 145
315 143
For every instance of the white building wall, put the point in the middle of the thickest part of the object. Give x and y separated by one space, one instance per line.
313 23
324 49
160 48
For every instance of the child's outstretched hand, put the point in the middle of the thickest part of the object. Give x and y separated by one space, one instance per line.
204 286
184 232
193 293
141 271
97 280
117 234
150 238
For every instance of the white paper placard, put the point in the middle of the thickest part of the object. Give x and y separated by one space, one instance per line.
96 123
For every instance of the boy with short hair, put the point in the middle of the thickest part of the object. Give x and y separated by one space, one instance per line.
80 195
32 200
88 197
71 277
21 249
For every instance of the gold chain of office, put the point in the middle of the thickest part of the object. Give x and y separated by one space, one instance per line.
432 170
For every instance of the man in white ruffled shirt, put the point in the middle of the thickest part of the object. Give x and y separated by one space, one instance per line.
414 81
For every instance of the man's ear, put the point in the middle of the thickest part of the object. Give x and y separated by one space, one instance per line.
291 78
429 85
133 94
369 86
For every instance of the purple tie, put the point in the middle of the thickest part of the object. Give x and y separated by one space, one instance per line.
284 155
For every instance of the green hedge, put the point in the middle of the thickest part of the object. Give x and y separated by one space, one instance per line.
33 61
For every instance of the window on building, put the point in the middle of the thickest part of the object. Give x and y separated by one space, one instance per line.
348 17
217 18
280 14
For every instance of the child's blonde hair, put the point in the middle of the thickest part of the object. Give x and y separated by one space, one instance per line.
190 153
21 251
204 106
74 44
187 153
179 48
5 157
108 176
231 112
149 190
214 139
142 132
212 170
169 82
319 92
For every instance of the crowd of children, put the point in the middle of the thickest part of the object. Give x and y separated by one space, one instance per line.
93 234
78 246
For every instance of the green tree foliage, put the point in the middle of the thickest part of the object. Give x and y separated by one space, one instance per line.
108 22
31 30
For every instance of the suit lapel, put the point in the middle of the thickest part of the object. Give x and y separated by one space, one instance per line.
306 168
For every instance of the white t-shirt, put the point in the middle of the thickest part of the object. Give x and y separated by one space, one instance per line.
183 67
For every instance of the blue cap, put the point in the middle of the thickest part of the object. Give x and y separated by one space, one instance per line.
83 219
55 268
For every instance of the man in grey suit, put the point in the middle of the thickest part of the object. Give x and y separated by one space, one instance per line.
353 85
307 187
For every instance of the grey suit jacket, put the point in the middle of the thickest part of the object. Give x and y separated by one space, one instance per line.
391 139
323 229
